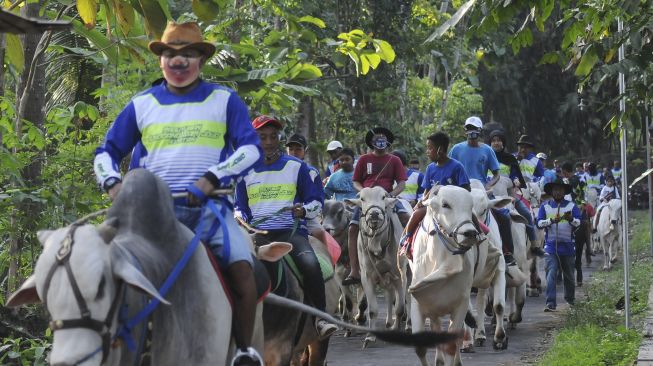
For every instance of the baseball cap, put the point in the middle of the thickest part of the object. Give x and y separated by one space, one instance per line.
264 120
542 156
333 145
474 121
297 139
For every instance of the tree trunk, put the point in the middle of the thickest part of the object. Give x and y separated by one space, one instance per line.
2 72
306 127
31 107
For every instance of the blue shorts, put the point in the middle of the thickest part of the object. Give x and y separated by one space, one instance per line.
238 248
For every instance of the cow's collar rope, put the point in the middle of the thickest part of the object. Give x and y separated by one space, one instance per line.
389 228
450 239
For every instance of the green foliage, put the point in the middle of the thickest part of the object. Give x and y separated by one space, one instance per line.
22 351
594 332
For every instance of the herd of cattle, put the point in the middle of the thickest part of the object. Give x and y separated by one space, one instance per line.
140 241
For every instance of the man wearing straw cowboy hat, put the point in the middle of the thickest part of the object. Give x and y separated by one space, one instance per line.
559 218
197 137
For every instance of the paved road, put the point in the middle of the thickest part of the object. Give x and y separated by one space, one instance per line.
529 340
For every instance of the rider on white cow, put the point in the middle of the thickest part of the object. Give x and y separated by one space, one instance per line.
479 158
442 171
608 192
378 168
179 129
559 217
340 184
530 165
509 167
296 146
278 195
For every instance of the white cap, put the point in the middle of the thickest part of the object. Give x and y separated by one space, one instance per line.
334 145
474 121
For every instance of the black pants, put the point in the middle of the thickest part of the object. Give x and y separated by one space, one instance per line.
580 237
306 261
503 220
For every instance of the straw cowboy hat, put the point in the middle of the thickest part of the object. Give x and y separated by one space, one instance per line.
180 36
525 140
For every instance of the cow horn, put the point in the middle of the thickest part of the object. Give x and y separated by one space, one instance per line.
108 229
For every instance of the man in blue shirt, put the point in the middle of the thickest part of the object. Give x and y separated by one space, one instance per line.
340 185
559 217
191 132
477 157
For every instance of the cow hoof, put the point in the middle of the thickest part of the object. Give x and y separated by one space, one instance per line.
480 342
347 333
502 345
468 349
512 325
409 329
515 318
613 261
605 268
388 324
368 340
532 292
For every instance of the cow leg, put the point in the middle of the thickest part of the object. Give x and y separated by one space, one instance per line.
457 323
511 304
400 303
479 333
372 307
499 307
606 253
390 303
318 352
417 320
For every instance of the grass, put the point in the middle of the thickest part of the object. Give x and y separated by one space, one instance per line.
594 332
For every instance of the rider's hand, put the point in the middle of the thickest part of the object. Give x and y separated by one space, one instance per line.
516 183
205 186
113 192
567 216
298 211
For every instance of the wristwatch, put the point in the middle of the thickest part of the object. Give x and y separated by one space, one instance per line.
110 183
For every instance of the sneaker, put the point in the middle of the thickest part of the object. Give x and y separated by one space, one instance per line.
247 357
324 328
549 309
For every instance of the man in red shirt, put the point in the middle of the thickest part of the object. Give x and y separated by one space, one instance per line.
378 168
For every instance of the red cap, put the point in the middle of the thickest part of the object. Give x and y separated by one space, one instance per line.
264 120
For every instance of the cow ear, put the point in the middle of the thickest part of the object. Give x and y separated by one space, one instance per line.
515 217
499 202
391 202
353 202
108 229
43 235
274 251
428 201
124 270
26 294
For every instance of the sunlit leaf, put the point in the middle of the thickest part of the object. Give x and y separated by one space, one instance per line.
587 62
14 52
385 50
87 11
313 20
451 22
206 10
124 15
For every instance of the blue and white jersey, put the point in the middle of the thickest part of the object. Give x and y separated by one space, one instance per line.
595 181
267 189
413 190
206 132
531 168
559 237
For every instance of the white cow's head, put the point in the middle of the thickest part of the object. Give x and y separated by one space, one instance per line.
615 211
451 209
376 208
336 217
97 267
375 205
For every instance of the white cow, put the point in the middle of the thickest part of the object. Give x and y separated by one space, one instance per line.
592 197
533 194
494 278
446 256
378 238
516 281
609 231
